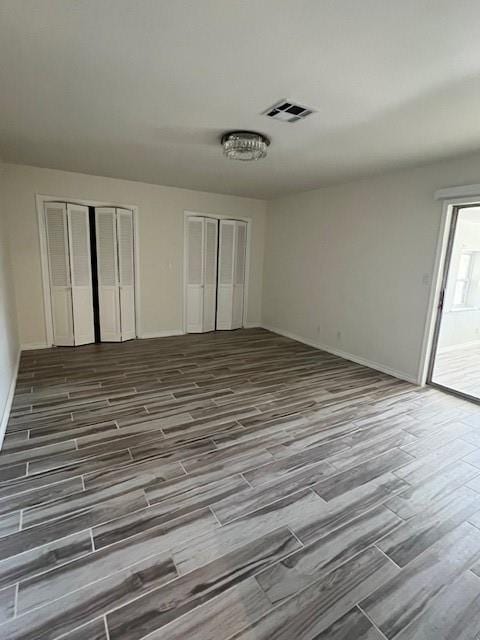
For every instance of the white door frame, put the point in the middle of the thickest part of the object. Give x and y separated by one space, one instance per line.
40 200
216 216
450 198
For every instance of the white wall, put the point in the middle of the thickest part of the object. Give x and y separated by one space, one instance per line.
9 348
348 267
161 222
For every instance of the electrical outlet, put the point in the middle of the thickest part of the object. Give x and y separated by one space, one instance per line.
339 336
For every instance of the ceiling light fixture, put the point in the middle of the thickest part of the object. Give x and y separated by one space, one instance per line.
244 145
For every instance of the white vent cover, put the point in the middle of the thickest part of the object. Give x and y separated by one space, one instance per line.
288 111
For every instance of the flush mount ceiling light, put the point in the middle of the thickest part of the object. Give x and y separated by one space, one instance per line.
244 145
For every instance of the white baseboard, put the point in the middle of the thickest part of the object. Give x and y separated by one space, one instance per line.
161 334
30 346
152 334
345 355
8 403
252 325
143 336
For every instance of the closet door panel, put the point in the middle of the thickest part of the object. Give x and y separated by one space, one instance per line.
126 273
210 287
59 273
107 267
226 264
239 274
81 274
109 312
195 259
62 317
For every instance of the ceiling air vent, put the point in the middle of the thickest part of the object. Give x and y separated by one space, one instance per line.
288 111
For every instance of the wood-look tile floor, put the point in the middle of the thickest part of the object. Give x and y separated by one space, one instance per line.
459 369
235 485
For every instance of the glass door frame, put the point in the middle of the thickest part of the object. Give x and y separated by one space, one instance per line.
441 300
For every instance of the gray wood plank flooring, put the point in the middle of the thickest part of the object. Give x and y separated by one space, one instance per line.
235 485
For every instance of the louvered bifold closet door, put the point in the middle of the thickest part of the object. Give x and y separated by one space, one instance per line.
210 286
239 273
126 273
226 263
195 272
107 268
81 274
59 272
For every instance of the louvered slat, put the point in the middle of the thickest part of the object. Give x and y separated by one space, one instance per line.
106 247
57 241
126 273
59 271
107 267
211 252
240 253
79 248
125 247
210 287
81 273
195 258
238 286
226 252
195 251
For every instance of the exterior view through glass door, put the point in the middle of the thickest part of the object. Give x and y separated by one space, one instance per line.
455 363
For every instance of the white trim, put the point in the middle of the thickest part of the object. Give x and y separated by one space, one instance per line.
40 201
253 325
435 290
143 336
345 355
161 334
456 193
47 305
9 401
30 346
452 197
217 216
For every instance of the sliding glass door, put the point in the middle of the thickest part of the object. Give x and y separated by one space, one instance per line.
456 355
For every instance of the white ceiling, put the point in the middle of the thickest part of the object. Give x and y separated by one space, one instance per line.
143 89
